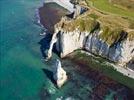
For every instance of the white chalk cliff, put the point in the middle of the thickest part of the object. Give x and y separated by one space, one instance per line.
122 51
59 74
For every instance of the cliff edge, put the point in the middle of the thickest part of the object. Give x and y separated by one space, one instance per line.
96 33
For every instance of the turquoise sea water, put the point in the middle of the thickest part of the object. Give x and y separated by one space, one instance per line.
23 73
21 76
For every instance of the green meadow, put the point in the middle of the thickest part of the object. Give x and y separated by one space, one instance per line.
106 6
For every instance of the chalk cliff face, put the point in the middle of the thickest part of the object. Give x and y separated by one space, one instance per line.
69 41
127 51
92 37
59 74
120 52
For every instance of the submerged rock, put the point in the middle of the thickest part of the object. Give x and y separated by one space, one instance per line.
59 74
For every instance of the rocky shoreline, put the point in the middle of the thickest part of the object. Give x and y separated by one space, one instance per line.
102 83
80 43
50 14
119 51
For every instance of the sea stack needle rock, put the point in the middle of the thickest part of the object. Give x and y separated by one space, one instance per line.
59 74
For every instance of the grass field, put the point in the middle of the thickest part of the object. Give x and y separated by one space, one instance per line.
125 4
106 6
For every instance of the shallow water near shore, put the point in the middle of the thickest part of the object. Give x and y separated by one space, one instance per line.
23 73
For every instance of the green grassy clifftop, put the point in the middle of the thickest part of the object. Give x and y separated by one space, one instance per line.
112 25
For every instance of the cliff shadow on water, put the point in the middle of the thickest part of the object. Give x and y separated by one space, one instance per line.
49 75
44 45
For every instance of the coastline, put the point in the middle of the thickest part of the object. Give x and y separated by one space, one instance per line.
101 82
42 14
48 16
38 21
24 73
